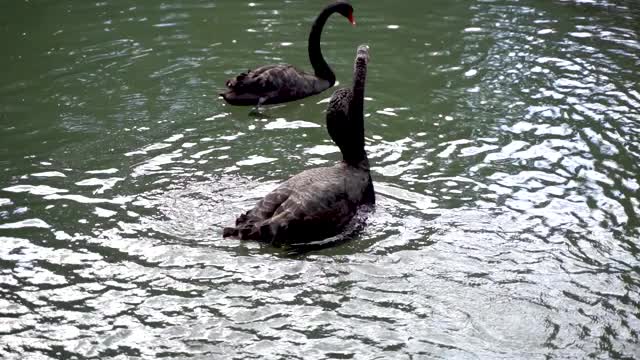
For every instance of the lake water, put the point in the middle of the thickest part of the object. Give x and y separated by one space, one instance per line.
505 143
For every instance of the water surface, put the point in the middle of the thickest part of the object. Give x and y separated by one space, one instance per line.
505 147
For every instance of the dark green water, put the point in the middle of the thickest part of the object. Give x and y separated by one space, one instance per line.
504 137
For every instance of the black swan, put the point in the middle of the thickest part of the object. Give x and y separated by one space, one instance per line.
273 84
319 203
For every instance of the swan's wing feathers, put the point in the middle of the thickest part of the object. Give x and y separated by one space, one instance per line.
315 215
249 224
272 84
266 207
322 203
264 79
316 203
270 203
317 195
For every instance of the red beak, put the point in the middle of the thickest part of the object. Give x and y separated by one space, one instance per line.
351 19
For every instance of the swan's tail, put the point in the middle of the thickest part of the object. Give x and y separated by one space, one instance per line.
236 82
247 228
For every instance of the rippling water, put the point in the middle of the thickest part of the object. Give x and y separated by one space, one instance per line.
505 148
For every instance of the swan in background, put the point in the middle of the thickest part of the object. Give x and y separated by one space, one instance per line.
273 84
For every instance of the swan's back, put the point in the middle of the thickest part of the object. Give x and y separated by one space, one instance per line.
310 206
272 84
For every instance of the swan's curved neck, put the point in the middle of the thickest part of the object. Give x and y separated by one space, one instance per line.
320 66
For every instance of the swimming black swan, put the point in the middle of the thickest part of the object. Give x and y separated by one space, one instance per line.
319 203
273 84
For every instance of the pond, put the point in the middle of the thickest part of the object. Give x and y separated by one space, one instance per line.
504 138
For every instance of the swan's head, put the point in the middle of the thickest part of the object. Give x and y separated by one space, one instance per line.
362 55
345 9
363 51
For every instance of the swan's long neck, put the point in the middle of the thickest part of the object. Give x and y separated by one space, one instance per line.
359 78
356 110
320 66
357 153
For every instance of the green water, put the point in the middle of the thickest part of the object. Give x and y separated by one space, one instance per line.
504 142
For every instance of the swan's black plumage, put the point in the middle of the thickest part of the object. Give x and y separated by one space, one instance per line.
318 203
272 84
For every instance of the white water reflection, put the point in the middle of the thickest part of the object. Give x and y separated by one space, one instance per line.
49 174
34 189
37 223
281 123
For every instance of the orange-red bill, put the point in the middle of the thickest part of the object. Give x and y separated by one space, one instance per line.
352 20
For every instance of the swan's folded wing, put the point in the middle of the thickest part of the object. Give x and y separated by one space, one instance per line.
265 79
318 207
311 219
248 224
267 206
